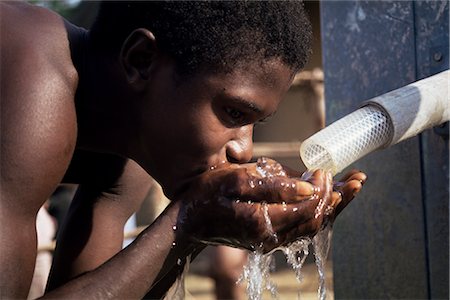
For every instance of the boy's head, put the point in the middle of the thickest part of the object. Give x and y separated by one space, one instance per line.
196 76
213 35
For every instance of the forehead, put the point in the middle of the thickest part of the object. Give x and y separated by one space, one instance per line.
270 76
273 73
259 82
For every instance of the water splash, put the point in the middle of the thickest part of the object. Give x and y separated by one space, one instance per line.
257 275
178 290
269 227
321 246
269 169
296 254
257 270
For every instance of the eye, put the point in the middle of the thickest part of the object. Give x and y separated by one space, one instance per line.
235 115
264 120
261 122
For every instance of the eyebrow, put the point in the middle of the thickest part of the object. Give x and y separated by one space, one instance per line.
244 102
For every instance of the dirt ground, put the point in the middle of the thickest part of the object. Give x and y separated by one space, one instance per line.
200 287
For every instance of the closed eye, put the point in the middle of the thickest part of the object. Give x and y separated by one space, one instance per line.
264 120
235 116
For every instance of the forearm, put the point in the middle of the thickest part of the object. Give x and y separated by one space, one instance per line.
132 272
163 284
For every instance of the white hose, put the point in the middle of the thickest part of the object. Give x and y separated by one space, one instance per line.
382 122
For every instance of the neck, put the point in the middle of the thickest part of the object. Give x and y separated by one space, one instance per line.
104 110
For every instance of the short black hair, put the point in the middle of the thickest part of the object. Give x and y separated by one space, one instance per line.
212 34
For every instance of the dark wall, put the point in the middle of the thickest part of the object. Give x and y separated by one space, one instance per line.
392 241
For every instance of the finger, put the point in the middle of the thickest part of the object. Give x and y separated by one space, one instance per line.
348 192
286 216
361 177
263 166
299 230
336 198
236 183
354 174
276 189
319 178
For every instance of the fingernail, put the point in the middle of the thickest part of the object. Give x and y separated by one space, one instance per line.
339 199
304 188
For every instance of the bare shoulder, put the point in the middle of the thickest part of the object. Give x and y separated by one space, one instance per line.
38 84
30 33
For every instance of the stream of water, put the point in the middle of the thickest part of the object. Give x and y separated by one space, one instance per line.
178 291
256 272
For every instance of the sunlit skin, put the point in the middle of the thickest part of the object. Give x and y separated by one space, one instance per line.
109 122
293 205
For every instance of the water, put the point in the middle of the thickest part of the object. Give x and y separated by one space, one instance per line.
257 275
296 255
178 291
321 246
256 272
269 222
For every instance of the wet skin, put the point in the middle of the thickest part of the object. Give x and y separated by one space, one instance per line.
109 122
237 194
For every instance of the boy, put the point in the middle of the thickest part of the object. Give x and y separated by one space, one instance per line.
170 89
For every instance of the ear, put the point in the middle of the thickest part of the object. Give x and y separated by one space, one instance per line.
137 56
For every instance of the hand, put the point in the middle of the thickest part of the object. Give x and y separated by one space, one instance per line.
258 206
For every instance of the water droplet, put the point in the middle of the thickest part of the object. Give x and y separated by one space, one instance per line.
252 184
260 182
174 244
295 209
179 261
269 227
174 227
329 210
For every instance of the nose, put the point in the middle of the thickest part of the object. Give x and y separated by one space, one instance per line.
240 149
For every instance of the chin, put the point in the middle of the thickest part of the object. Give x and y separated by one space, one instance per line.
177 184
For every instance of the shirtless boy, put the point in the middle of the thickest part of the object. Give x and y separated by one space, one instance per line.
167 89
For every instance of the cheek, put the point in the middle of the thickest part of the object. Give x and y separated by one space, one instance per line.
205 134
211 136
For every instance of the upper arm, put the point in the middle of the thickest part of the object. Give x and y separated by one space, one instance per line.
38 123
93 230
37 139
